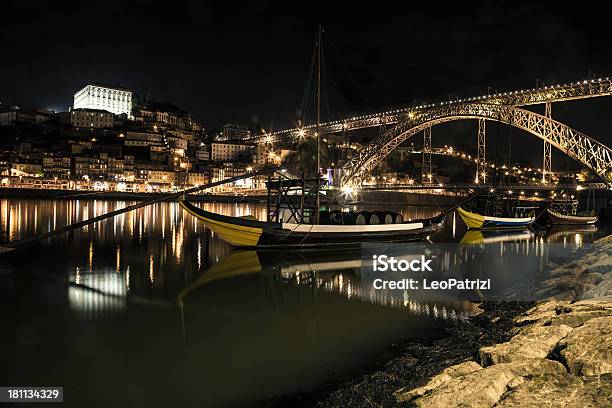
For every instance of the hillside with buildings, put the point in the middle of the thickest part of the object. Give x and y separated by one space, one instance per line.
112 140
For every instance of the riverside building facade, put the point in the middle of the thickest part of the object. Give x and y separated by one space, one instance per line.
92 118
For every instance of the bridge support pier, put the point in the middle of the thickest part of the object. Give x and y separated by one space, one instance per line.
426 174
547 158
481 160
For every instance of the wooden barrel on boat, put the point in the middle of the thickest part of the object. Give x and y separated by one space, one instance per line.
324 217
388 217
398 218
380 217
376 218
349 217
338 217
335 217
362 218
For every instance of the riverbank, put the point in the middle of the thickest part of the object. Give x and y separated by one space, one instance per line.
122 196
439 199
557 352
375 198
369 198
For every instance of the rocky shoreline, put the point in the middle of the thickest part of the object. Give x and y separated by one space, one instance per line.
559 356
556 353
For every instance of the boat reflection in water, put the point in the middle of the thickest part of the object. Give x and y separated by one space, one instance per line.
567 234
481 237
558 234
330 271
103 292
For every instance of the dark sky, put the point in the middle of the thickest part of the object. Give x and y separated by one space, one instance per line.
246 63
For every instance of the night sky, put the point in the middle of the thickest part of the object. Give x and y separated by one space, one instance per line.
227 62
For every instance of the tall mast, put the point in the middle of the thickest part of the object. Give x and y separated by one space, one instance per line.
318 100
317 201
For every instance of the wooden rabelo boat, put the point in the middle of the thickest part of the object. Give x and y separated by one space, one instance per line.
557 218
294 216
477 221
565 212
248 232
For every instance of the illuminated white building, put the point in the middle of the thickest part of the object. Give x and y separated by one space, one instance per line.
113 99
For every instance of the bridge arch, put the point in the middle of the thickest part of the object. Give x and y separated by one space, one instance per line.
580 147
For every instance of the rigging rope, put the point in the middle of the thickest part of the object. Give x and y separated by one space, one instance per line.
306 94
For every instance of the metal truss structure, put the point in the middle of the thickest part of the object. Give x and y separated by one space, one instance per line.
547 156
481 160
404 123
555 93
589 152
426 174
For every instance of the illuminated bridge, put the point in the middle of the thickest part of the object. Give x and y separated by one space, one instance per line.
503 107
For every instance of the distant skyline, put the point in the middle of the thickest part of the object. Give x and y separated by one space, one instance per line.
249 63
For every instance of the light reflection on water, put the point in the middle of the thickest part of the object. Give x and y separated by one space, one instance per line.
161 248
128 273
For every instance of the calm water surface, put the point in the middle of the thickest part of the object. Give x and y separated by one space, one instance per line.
150 308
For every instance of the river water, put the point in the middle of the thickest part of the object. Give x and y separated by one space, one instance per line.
150 308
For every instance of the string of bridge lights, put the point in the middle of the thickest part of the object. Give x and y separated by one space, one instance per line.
519 172
301 131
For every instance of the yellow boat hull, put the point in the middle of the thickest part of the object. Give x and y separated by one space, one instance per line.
238 235
477 221
245 232
471 220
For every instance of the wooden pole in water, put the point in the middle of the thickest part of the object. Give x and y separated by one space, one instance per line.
12 245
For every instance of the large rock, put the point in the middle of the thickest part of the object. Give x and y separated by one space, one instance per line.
531 342
587 350
543 311
448 374
570 314
601 303
577 318
604 288
590 277
559 391
483 388
602 264
578 279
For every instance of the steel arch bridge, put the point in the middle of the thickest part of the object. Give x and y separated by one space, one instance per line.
591 153
503 107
